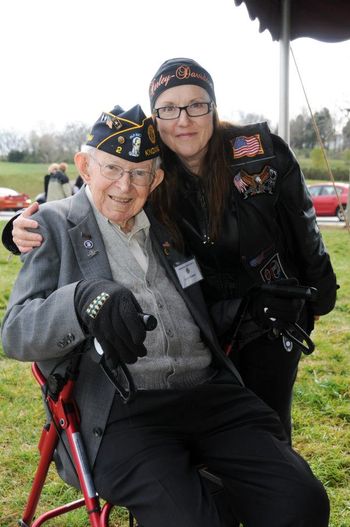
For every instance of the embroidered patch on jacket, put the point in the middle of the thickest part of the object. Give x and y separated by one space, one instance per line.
251 184
247 146
273 269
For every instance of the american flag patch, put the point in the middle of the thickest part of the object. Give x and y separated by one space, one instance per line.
239 183
247 146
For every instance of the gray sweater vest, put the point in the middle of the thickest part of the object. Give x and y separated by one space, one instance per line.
176 355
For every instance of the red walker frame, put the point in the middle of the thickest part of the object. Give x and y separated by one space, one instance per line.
65 417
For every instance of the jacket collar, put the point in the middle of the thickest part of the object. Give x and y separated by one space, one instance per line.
86 239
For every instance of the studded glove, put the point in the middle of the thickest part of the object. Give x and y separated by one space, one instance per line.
111 313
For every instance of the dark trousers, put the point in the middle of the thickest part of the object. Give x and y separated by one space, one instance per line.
152 447
270 372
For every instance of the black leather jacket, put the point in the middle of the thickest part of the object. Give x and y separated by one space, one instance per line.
269 229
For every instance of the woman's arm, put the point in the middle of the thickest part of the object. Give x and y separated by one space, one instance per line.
17 236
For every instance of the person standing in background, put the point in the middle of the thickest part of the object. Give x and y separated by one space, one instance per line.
58 184
52 169
63 167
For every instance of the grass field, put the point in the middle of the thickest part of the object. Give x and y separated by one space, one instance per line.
321 409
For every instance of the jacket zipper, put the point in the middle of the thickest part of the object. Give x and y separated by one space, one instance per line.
205 223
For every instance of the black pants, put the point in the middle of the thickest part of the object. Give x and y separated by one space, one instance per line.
152 447
270 372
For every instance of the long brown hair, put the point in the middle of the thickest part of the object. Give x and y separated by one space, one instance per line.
213 174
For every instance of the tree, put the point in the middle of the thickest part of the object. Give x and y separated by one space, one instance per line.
71 139
325 126
302 133
346 135
16 156
310 135
10 140
43 148
298 127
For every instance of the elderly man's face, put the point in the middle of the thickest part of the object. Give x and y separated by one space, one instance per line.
120 200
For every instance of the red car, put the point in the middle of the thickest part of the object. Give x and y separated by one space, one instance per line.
325 198
12 200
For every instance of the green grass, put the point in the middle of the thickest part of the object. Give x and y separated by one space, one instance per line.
307 162
321 410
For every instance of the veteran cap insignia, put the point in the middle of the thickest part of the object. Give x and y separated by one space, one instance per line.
126 134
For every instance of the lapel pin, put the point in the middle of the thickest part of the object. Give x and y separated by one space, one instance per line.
92 253
88 244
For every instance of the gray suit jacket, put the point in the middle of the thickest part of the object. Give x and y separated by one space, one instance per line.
41 324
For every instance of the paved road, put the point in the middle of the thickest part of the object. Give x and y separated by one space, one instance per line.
6 215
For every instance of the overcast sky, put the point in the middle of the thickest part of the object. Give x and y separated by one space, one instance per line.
67 60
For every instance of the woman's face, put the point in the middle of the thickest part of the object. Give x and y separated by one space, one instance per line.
186 136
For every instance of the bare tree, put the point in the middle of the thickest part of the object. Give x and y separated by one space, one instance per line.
43 148
346 135
71 139
11 140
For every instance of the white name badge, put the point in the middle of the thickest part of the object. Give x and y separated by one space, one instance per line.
188 273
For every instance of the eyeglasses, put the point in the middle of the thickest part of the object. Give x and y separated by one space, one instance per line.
138 176
196 109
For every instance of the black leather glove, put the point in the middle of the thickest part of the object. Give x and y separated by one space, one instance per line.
110 313
274 311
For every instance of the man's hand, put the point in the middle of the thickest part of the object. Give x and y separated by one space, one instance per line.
24 239
111 313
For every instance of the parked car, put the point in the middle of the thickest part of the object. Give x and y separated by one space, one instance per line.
325 198
12 200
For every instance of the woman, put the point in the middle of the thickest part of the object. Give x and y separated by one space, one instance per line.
235 197
51 171
58 186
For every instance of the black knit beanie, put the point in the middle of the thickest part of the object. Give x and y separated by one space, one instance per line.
178 71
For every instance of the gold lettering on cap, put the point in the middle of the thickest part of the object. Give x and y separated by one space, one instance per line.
151 151
151 133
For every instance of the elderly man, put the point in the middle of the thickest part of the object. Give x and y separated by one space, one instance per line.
104 260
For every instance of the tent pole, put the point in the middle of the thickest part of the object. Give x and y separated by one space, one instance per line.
283 126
